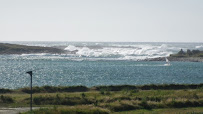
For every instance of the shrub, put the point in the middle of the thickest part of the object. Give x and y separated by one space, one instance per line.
59 100
52 89
156 99
5 90
105 91
121 107
83 95
144 104
6 99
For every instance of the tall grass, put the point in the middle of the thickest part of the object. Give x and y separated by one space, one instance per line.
61 100
2 90
112 98
6 99
150 87
52 89
71 110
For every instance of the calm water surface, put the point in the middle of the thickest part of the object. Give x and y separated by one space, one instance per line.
92 73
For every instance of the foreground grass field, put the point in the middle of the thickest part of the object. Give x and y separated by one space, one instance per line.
189 110
108 99
68 110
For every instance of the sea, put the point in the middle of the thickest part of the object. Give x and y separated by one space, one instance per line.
99 63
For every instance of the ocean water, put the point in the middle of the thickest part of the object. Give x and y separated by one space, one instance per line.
100 63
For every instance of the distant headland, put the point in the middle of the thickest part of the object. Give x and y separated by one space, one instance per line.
189 55
6 48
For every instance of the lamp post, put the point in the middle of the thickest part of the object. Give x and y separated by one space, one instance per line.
30 73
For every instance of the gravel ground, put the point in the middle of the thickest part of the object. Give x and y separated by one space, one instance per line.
15 110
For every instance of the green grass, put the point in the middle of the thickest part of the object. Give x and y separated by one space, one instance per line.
52 89
92 110
189 110
85 109
107 99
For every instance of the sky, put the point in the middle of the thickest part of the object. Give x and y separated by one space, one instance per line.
102 20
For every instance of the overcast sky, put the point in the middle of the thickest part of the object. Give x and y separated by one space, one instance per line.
102 20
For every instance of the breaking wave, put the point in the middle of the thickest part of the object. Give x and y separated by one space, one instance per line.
94 51
122 52
199 47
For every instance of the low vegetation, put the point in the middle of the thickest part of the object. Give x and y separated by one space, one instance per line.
52 89
188 53
6 48
71 110
6 99
2 90
106 99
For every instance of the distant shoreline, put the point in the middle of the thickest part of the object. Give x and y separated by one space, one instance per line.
182 59
7 49
189 55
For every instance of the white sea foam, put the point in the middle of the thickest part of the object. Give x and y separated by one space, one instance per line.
71 48
199 47
113 51
36 54
122 52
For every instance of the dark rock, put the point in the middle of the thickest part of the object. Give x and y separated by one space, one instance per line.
22 49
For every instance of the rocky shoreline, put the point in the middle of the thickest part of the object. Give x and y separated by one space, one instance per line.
6 49
189 55
183 59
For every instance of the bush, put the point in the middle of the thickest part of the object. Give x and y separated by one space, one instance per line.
105 91
156 99
115 87
52 89
6 99
122 107
5 90
127 88
59 100
144 104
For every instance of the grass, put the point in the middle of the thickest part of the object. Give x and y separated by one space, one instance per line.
189 110
2 90
93 110
52 89
107 99
85 109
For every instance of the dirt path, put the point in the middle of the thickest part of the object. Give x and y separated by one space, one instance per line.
15 110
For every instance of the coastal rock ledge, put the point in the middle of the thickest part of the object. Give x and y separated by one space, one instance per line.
189 55
183 59
6 48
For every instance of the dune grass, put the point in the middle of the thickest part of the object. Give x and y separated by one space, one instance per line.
85 109
189 110
106 99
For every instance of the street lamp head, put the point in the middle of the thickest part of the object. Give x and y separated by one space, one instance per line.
30 73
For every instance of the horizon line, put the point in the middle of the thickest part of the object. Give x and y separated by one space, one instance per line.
108 41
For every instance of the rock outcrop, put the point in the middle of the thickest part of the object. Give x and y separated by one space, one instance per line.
192 56
6 48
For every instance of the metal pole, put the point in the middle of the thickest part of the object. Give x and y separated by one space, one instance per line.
31 94
30 73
